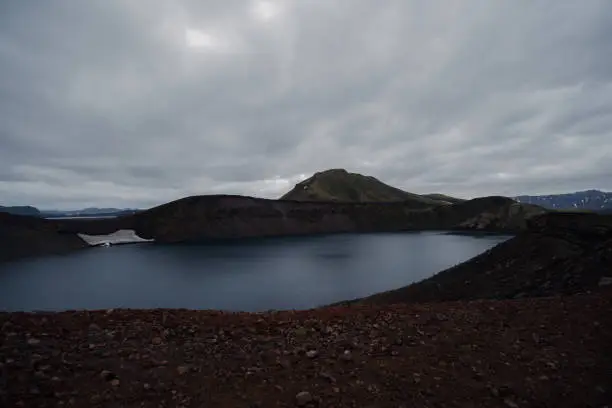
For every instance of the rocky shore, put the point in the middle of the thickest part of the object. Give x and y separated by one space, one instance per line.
553 351
560 253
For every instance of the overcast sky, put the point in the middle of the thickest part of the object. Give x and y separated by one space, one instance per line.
132 103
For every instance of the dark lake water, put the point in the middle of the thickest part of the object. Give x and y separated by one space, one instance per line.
255 275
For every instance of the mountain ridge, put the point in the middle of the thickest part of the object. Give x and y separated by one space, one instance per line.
339 185
219 217
342 202
592 200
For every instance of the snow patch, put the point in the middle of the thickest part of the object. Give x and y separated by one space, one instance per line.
117 237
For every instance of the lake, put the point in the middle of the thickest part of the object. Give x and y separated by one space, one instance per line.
249 275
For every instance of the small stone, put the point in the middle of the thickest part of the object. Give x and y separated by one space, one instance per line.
146 386
328 376
302 398
156 341
94 327
109 311
311 353
336 390
300 332
285 363
115 382
510 404
441 317
55 379
605 281
347 356
253 370
107 375
182 370
33 341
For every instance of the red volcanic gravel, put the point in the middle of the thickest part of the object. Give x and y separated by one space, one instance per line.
544 352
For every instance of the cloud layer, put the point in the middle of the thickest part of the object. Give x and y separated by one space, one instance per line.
114 103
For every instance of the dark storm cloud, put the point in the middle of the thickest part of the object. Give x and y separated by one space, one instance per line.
112 103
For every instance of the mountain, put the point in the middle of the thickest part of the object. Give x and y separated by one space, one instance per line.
21 210
593 200
341 186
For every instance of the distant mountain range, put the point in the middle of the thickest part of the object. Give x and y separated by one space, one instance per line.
86 212
89 212
591 200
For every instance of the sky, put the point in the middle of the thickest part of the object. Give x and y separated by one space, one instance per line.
127 103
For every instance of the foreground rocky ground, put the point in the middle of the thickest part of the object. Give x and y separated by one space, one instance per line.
544 352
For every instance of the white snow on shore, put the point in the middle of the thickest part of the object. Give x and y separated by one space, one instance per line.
117 237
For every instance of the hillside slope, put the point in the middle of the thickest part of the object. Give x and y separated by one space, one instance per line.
444 197
342 186
21 210
25 236
561 253
218 217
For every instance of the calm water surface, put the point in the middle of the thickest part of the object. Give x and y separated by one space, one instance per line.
283 273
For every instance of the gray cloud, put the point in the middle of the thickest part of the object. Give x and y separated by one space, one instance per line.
112 103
